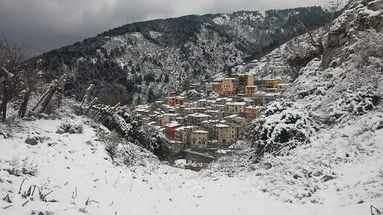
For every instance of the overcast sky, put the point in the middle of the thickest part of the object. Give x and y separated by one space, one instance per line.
42 25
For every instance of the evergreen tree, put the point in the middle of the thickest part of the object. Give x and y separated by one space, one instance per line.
151 96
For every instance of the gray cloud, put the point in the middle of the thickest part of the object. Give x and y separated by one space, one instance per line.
46 24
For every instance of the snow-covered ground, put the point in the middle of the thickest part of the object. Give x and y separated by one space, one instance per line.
84 179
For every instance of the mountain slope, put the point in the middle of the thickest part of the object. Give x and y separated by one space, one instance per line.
322 141
158 56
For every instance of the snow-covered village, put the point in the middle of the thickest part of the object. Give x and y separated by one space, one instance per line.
201 130
229 107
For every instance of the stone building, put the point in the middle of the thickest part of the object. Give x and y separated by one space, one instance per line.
187 132
199 139
250 90
253 110
224 133
170 130
173 101
228 86
197 118
235 107
244 80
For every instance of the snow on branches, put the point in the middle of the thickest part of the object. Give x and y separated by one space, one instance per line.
281 128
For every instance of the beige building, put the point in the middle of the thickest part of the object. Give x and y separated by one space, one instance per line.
197 118
224 133
243 80
161 120
250 90
202 103
255 111
170 117
228 87
235 107
238 120
200 139
187 132
175 100
178 134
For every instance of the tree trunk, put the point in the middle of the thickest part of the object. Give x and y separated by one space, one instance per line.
50 93
24 105
91 105
47 99
5 100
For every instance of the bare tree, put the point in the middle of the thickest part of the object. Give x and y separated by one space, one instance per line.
18 77
30 77
316 38
10 57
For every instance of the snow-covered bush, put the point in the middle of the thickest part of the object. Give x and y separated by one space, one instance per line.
355 102
111 143
360 102
371 44
276 107
121 151
70 127
280 129
19 167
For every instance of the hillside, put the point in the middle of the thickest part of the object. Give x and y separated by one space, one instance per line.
322 141
159 56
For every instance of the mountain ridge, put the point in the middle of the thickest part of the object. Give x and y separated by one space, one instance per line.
163 55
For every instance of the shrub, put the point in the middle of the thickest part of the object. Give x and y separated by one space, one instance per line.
360 102
70 127
281 130
19 167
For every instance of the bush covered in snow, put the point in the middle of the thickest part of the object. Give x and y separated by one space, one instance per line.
281 128
19 167
70 127
121 151
359 102
131 129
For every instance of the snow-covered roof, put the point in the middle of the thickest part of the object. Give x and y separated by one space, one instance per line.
254 107
171 114
151 123
273 94
198 115
142 110
232 116
236 103
173 124
180 128
175 97
210 121
213 111
201 132
221 126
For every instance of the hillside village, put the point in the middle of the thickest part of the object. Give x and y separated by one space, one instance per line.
202 130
